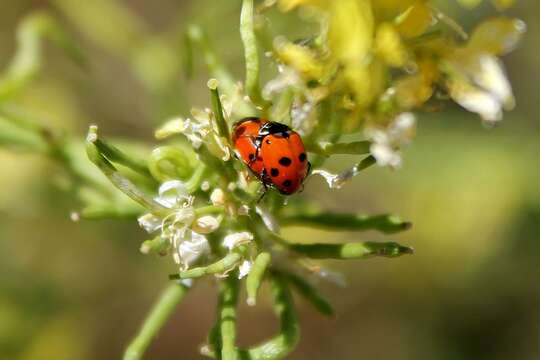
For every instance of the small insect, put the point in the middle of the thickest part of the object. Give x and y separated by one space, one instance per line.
273 152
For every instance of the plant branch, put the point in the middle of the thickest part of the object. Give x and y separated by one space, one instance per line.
251 53
385 223
360 250
283 343
117 179
159 314
221 266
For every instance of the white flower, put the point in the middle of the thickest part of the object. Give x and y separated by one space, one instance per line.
244 269
191 249
206 127
172 193
301 118
149 222
236 239
287 77
178 227
205 224
386 143
479 84
201 129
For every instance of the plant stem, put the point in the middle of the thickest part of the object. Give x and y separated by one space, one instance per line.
115 155
159 314
256 275
282 344
227 317
221 266
217 108
118 180
310 293
348 222
360 250
247 33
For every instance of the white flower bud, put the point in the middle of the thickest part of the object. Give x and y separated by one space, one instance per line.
243 210
205 186
217 197
205 224
236 239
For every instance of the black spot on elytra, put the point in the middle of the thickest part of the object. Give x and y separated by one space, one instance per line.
274 172
285 161
302 157
268 141
240 131
251 156
287 183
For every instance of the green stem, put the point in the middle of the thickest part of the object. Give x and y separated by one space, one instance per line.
227 317
282 344
160 313
256 275
115 155
360 250
196 179
157 245
111 211
310 293
217 108
247 33
221 266
117 179
209 209
385 223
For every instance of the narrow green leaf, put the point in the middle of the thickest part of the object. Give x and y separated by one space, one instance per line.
117 179
385 223
360 250
256 275
310 293
221 266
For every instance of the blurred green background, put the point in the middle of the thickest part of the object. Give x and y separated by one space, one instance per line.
80 290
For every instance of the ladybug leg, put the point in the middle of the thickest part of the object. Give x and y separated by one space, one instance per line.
257 144
263 193
308 168
265 181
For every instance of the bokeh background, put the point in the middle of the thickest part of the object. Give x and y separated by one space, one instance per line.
79 290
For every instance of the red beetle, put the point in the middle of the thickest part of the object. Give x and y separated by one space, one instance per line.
273 152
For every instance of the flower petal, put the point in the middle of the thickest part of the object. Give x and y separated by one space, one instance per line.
244 269
191 250
149 222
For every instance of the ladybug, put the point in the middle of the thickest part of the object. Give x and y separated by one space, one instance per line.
273 152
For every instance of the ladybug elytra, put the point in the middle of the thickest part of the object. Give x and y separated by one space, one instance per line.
273 152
